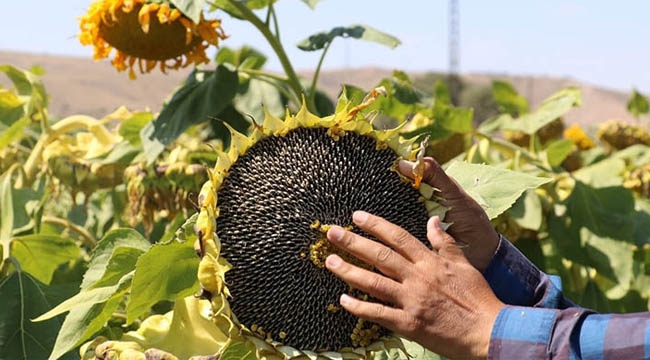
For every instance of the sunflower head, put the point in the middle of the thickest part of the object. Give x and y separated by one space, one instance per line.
579 137
147 34
264 212
620 135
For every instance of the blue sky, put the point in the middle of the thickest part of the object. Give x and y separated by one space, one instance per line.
601 42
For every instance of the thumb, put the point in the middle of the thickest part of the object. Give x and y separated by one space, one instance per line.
442 242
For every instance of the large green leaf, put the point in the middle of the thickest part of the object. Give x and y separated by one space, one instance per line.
552 108
493 188
40 255
190 8
22 298
226 6
603 173
256 95
165 272
320 40
508 99
86 319
101 255
558 150
458 120
606 212
204 95
122 261
613 261
131 127
238 351
245 57
30 92
527 211
11 107
85 298
14 132
638 104
635 155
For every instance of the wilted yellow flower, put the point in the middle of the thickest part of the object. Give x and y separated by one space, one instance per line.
147 33
579 137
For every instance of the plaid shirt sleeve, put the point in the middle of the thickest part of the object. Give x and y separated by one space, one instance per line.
539 323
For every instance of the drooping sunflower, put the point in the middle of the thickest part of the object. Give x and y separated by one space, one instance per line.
262 224
261 230
147 34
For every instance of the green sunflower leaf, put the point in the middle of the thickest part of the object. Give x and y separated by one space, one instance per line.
495 189
190 8
205 94
237 351
131 127
165 272
320 40
552 108
558 150
22 297
311 3
508 99
98 267
40 255
638 104
86 318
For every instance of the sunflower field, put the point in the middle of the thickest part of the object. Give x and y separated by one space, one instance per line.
197 231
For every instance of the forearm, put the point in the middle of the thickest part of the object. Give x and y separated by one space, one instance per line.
573 333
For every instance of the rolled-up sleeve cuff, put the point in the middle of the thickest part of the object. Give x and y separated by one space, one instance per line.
512 277
522 333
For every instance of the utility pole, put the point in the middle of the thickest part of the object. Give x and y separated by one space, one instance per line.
453 80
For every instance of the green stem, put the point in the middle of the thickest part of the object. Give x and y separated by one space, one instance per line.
292 77
254 72
276 26
314 81
85 236
507 147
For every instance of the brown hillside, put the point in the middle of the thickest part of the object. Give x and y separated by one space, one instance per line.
80 85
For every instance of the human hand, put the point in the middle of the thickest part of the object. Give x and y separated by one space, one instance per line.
436 299
471 226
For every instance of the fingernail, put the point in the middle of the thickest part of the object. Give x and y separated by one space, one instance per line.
333 261
335 233
346 299
435 222
405 167
405 164
359 217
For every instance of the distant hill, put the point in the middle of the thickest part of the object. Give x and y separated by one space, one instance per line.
81 85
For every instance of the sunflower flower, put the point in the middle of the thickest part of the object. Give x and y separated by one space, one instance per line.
579 137
264 213
147 34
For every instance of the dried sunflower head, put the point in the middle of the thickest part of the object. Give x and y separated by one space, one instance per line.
147 34
620 135
263 217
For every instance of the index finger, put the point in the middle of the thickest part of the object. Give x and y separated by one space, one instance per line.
392 235
434 176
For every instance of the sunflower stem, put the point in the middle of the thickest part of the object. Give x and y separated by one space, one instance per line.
312 89
85 236
276 26
292 77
